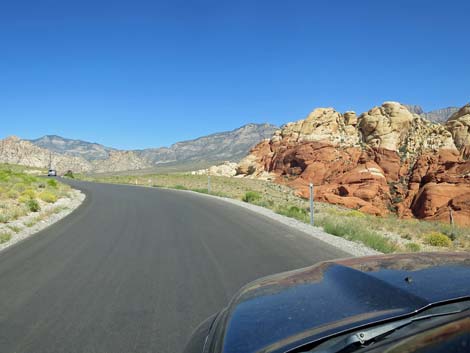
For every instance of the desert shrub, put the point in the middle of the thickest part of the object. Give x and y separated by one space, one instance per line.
23 198
294 212
266 204
437 239
52 183
412 247
47 196
31 223
352 230
4 237
29 193
16 229
16 212
5 175
180 187
13 194
251 196
20 187
69 174
33 205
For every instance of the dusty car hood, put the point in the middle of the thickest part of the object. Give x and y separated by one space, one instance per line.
284 311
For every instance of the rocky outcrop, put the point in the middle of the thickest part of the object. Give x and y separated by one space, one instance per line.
226 169
16 151
119 161
459 126
385 160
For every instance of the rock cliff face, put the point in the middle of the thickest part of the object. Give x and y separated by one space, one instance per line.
16 151
385 160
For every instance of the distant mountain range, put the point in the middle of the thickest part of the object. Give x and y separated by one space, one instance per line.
200 153
88 150
83 156
436 116
223 146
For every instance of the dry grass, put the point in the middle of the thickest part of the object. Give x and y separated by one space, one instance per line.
22 192
4 237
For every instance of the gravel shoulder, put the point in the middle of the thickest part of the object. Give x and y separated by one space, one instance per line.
350 247
28 225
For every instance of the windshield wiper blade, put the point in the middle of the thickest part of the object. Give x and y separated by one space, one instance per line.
366 336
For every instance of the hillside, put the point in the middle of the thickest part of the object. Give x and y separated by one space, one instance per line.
78 148
230 145
83 156
13 150
387 160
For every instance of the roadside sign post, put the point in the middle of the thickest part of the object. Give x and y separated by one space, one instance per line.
208 182
311 204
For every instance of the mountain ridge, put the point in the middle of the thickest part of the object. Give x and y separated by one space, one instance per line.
84 156
440 115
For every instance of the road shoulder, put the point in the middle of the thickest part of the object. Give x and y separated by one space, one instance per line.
352 248
26 226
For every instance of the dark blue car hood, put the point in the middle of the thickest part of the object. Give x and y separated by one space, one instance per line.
284 311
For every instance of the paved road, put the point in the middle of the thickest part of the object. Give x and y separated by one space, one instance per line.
136 269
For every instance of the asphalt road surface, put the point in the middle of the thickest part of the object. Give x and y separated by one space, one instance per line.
136 269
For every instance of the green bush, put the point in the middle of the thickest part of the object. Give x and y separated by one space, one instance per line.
437 239
202 191
356 231
52 183
251 196
47 196
294 212
4 237
412 247
180 187
69 174
29 193
33 205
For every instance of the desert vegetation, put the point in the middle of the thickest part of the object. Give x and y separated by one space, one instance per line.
386 234
23 193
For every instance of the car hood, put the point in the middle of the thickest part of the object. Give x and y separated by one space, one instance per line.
281 312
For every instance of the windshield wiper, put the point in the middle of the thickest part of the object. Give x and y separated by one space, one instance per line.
367 336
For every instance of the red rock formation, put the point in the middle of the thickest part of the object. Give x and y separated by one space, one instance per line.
387 160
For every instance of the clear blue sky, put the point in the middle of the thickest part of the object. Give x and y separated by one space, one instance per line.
135 74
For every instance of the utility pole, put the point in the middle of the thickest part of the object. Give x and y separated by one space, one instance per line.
311 204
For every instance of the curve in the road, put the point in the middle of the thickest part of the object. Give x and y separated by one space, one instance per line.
136 269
